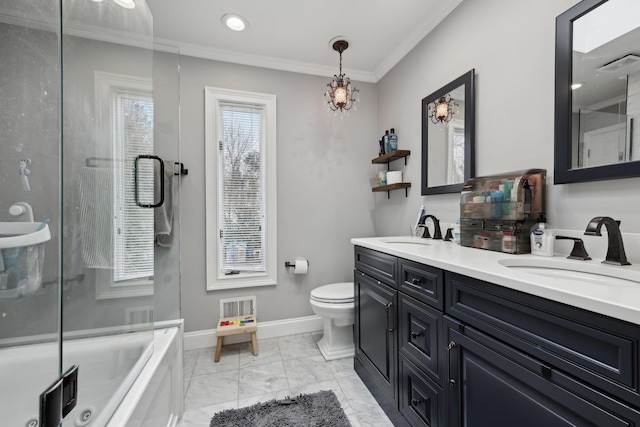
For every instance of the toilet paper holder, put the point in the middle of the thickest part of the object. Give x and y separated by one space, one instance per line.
288 264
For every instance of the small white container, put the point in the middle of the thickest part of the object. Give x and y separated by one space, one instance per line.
542 240
394 177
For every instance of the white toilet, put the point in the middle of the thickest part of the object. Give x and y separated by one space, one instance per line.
335 304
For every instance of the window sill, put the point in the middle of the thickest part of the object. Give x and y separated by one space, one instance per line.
241 282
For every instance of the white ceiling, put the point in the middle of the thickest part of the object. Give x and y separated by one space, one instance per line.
294 35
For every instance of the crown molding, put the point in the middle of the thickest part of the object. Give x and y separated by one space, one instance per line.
205 52
413 39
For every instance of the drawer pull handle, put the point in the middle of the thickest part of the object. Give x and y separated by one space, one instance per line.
415 335
415 281
450 347
415 402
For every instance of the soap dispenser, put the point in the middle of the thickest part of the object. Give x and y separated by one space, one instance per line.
542 238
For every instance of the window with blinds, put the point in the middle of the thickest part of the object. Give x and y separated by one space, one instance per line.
241 188
240 148
133 226
124 125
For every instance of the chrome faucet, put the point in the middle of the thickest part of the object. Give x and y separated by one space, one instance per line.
615 249
437 232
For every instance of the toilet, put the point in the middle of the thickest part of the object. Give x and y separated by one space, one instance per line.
335 304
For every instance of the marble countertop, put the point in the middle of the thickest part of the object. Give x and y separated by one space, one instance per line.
618 298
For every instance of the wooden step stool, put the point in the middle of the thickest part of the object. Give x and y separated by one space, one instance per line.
236 325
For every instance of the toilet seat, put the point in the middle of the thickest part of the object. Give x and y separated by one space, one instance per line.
335 293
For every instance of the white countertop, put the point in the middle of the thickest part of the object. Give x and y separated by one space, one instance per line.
619 299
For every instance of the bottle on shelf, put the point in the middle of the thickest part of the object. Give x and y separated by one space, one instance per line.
387 146
393 140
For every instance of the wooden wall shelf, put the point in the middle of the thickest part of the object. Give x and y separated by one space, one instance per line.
395 186
394 155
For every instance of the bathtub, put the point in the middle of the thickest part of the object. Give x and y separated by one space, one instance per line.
147 379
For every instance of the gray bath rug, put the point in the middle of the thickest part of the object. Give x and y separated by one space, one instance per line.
320 409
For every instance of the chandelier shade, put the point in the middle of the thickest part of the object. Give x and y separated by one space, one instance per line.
341 94
441 110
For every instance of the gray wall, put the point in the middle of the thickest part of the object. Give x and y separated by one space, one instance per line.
324 179
511 46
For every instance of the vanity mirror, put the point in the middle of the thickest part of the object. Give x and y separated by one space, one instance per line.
597 92
448 132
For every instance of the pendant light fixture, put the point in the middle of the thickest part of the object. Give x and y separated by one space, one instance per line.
341 94
441 110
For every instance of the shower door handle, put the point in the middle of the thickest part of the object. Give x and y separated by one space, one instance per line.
136 181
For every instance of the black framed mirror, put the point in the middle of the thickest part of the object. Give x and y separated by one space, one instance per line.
448 136
597 92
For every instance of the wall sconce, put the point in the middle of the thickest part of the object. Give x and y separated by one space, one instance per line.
341 94
441 111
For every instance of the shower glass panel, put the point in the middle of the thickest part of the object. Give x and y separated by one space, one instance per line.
108 172
166 94
29 192
81 89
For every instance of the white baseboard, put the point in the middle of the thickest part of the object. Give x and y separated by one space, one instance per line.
273 329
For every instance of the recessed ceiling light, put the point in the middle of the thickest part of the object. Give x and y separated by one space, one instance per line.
127 4
235 22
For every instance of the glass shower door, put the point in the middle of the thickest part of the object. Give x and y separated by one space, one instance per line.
109 186
29 196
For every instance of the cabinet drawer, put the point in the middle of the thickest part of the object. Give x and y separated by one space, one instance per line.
419 335
378 265
421 400
598 349
422 282
494 384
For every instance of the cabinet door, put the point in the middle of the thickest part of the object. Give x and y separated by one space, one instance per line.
376 349
492 384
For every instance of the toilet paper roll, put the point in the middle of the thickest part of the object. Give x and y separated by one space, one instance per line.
301 266
394 177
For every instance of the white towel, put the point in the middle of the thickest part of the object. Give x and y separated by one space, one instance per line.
96 216
163 215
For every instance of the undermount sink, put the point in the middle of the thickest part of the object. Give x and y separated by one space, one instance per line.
584 272
405 241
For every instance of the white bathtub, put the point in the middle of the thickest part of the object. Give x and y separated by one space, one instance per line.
148 389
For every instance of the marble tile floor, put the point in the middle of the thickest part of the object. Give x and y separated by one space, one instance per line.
285 366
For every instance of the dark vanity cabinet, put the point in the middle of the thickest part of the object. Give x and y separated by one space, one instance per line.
419 341
376 348
376 330
464 352
397 331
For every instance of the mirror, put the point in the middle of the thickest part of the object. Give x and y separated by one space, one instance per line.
448 132
597 105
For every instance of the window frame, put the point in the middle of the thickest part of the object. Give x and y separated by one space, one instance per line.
108 87
215 278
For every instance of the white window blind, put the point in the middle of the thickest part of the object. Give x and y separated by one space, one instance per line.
456 151
133 229
241 189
